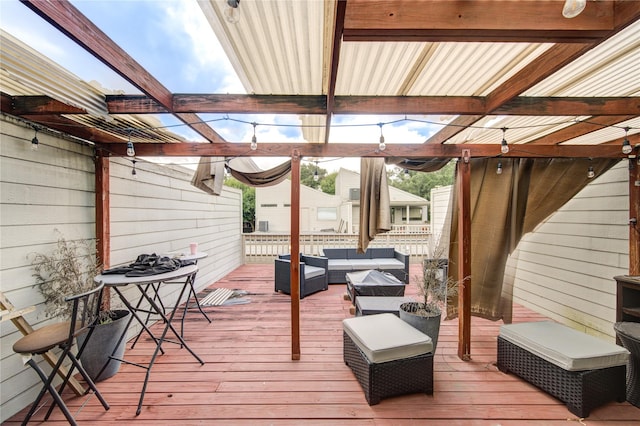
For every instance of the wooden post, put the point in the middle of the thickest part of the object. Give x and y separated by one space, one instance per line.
103 218
634 216
464 256
295 256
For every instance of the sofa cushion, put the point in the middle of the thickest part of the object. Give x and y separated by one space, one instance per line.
353 254
385 337
313 271
335 253
565 347
359 264
340 265
388 263
377 252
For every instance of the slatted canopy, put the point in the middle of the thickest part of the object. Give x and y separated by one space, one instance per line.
484 70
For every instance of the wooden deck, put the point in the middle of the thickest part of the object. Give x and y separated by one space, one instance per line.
249 377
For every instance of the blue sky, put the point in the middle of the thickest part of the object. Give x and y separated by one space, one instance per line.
173 41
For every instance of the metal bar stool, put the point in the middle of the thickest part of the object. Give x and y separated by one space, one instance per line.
85 312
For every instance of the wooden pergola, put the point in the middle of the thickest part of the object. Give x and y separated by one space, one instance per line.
486 21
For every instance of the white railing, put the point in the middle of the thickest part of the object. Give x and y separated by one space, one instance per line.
264 247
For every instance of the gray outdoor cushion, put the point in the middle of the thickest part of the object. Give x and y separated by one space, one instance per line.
388 263
340 265
363 264
376 252
385 337
313 271
565 347
335 253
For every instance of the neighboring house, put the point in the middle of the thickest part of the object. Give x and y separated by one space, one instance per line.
332 213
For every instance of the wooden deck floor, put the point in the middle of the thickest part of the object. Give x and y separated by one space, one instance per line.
249 377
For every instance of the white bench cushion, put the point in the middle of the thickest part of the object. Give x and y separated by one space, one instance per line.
340 265
385 337
388 263
313 271
565 347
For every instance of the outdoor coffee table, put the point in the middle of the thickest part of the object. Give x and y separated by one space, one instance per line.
373 283
370 305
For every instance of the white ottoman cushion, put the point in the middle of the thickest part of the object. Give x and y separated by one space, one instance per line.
565 347
385 337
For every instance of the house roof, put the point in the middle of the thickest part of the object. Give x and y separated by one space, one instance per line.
476 72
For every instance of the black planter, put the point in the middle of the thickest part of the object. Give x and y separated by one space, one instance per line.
102 343
429 325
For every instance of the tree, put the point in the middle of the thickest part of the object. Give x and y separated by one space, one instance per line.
307 173
328 183
421 183
248 200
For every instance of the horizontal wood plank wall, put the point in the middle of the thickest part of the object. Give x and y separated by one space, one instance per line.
40 191
161 212
53 188
565 268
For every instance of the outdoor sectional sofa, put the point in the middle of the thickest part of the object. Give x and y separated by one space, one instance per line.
345 260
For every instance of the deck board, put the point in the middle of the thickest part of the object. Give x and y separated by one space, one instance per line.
249 377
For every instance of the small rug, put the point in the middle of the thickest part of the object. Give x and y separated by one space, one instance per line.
217 297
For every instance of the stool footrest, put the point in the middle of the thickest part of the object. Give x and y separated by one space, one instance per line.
581 391
386 379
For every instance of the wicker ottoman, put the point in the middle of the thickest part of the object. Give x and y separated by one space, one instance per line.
581 370
388 356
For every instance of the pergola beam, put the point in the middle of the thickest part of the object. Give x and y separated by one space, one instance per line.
303 104
364 150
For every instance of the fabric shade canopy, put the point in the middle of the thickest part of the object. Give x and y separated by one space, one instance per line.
209 175
504 207
375 203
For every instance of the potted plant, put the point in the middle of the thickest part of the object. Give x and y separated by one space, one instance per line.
70 269
434 289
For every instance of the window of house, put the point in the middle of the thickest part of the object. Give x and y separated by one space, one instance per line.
327 213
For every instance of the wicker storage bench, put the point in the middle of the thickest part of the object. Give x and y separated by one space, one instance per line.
388 356
581 370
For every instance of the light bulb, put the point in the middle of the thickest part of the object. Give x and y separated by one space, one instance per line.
504 148
34 143
499 169
134 173
573 8
130 149
382 145
315 176
406 174
626 146
591 174
231 11
254 143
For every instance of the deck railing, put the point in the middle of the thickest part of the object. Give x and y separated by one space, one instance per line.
264 247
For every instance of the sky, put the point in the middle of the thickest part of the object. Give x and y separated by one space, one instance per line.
191 60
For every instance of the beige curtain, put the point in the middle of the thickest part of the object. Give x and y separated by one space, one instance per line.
375 204
505 207
419 164
209 175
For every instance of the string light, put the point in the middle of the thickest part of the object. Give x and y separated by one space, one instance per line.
134 173
131 152
231 11
573 8
254 140
34 141
626 146
591 173
504 148
382 145
315 173
406 174
499 169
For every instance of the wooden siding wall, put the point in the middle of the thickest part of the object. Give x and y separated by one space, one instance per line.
53 188
564 270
